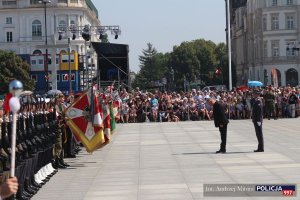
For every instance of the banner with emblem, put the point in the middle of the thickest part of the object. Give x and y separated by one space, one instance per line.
85 118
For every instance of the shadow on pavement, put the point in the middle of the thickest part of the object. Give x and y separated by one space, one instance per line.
200 153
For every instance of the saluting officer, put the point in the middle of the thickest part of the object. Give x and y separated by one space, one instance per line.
257 119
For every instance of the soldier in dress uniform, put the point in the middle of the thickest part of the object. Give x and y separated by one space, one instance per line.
270 103
257 119
58 149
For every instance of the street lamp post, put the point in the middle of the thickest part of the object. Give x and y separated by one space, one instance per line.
69 65
46 42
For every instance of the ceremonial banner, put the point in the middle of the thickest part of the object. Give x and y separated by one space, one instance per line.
116 106
106 122
274 77
85 119
6 102
112 118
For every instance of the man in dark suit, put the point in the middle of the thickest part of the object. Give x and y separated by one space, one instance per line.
220 121
257 119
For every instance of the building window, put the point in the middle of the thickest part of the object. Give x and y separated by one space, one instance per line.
57 77
9 3
275 22
72 23
274 2
62 25
290 22
34 77
74 1
290 44
290 52
34 2
36 28
275 48
65 58
8 20
41 61
264 23
65 77
37 52
33 62
9 37
62 1
265 49
289 2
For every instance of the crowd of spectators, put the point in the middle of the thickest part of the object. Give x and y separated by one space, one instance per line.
139 106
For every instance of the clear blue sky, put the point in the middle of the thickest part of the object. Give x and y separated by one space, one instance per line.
164 23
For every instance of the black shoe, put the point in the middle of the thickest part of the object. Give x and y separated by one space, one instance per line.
61 166
71 156
259 150
58 165
54 164
36 185
26 194
221 151
62 162
28 188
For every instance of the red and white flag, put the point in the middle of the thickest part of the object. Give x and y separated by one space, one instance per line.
85 118
106 122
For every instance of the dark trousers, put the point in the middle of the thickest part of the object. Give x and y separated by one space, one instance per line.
69 146
223 133
270 110
259 135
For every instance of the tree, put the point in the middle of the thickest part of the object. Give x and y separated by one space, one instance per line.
13 67
193 62
104 38
185 63
222 59
153 66
205 51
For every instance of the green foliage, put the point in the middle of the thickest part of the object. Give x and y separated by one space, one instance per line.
222 57
193 62
153 67
13 67
105 39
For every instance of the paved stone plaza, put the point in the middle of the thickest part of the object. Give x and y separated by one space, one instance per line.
162 161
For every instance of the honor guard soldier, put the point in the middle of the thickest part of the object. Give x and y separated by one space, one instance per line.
270 103
58 149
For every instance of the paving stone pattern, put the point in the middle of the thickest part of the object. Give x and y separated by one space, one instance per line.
172 161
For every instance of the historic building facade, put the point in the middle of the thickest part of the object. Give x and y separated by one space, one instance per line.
22 27
265 41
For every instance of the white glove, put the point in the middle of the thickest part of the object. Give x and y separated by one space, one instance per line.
259 123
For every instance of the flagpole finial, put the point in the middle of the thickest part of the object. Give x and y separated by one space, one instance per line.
15 87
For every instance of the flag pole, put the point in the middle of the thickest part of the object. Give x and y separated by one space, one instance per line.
229 44
15 88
